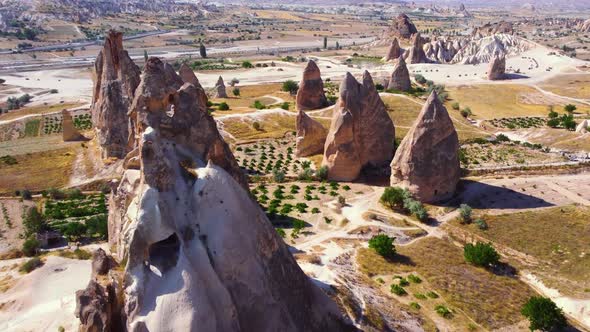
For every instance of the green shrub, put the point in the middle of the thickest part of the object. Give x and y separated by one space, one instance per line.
33 221
543 314
236 92
432 295
30 247
465 212
415 305
455 106
322 173
404 282
443 311
393 197
481 254
258 105
481 224
281 232
290 86
30 265
278 176
247 64
223 106
420 296
285 106
383 245
256 125
414 278
398 290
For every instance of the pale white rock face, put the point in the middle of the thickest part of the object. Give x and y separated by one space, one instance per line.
482 50
583 127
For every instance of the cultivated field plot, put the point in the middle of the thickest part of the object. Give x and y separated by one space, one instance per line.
273 123
569 85
505 154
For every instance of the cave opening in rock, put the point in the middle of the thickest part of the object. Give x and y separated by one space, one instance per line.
163 255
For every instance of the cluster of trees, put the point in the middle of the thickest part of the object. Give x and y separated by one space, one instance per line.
401 200
565 120
14 103
290 86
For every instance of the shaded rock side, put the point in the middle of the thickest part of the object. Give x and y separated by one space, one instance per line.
201 254
219 91
497 68
402 27
361 133
310 95
394 51
400 77
69 132
311 136
427 161
115 79
188 76
416 52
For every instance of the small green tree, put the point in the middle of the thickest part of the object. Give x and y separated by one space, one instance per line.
325 42
543 314
278 176
569 108
465 212
33 222
223 106
481 254
285 106
236 92
393 197
247 64
203 51
322 173
383 245
290 86
30 247
456 106
256 125
145 55
567 121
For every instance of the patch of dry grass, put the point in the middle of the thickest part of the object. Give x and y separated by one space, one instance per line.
491 300
570 85
272 126
38 171
37 110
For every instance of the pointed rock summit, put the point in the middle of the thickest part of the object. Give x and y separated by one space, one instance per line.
201 254
310 95
400 77
311 136
497 67
361 134
394 51
115 79
416 52
69 132
402 27
220 91
188 76
427 161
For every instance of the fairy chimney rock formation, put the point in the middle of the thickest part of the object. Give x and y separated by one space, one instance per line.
188 76
400 77
220 89
416 52
115 79
427 161
402 27
497 67
311 136
69 132
394 51
310 95
201 254
361 134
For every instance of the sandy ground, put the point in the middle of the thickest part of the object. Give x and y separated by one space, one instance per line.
44 299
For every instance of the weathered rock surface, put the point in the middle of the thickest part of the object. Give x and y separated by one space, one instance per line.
310 95
583 127
497 68
585 26
220 91
202 255
361 134
69 132
188 76
93 308
400 77
115 79
394 51
476 51
101 262
427 162
489 29
311 136
402 27
415 54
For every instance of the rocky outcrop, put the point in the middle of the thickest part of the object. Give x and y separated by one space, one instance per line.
490 29
69 132
219 90
444 49
401 27
310 95
427 161
585 26
361 134
115 79
101 262
394 51
497 68
583 127
201 254
311 136
400 77
188 76
416 52
476 51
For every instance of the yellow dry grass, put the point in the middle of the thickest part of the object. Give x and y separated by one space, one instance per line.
276 14
272 126
569 85
37 110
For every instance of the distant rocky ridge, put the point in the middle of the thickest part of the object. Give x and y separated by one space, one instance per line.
490 29
361 133
427 160
193 238
401 27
